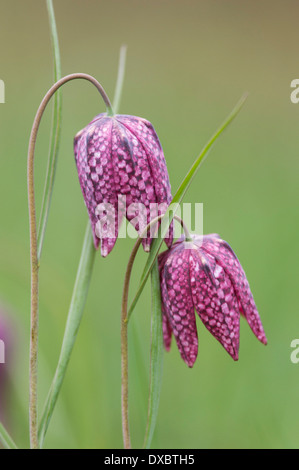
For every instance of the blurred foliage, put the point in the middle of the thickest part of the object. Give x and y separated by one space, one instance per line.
188 63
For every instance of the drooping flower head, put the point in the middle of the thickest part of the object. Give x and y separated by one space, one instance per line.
205 275
122 172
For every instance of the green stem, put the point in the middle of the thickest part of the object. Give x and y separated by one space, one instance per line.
33 417
55 134
77 303
5 438
72 326
124 332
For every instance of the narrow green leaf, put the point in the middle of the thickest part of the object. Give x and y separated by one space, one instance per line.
157 354
120 78
171 211
55 134
5 438
72 326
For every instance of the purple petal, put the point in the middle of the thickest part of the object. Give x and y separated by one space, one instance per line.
178 304
102 174
230 263
215 301
96 176
159 188
135 179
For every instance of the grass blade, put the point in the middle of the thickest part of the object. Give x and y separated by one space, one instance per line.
5 439
71 330
120 78
166 221
55 134
157 353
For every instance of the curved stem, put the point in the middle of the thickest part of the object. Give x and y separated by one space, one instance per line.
77 305
135 250
124 332
185 228
177 198
33 424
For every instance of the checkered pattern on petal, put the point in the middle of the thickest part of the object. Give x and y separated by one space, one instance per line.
204 274
215 301
121 156
233 269
178 304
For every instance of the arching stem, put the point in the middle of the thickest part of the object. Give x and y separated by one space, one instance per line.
124 332
33 415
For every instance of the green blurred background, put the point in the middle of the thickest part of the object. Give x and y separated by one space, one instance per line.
188 63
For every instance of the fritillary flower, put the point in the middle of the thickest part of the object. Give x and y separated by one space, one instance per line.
205 275
122 172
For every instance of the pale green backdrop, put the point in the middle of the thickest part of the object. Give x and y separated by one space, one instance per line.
188 63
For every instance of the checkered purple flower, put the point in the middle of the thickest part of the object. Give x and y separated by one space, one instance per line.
205 275
121 156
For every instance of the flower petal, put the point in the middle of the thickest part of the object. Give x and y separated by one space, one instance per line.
159 190
101 180
215 301
178 304
230 263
